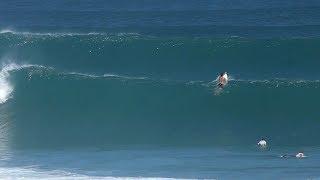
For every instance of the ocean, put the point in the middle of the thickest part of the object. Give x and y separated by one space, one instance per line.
127 89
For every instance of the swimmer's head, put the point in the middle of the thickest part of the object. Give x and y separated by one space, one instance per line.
262 143
300 155
300 152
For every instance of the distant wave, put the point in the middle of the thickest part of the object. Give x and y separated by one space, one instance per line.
58 34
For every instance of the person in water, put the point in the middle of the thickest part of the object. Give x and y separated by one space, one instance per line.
262 143
298 155
222 79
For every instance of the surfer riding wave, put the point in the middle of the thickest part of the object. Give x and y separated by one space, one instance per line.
222 79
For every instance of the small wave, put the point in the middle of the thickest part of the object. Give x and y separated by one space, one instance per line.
273 82
124 77
276 80
62 34
103 76
6 31
14 67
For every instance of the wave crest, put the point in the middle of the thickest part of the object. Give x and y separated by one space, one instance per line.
6 88
63 34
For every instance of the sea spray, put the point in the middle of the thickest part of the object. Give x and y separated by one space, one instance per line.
6 87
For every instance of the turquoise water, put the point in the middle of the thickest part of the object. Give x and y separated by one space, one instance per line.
114 89
181 163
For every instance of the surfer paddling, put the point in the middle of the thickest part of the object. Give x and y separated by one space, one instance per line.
298 155
222 79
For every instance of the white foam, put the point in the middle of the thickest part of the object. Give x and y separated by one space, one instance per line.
59 34
6 87
32 173
104 76
122 76
6 31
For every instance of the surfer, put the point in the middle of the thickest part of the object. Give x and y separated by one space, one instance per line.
298 155
222 79
262 143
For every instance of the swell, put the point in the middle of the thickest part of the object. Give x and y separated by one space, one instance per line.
51 108
159 57
220 19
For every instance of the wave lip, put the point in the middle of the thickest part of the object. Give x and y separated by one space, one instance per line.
6 88
64 34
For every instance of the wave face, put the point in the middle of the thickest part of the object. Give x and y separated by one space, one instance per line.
159 57
108 90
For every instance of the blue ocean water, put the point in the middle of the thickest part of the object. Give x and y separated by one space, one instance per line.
126 89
